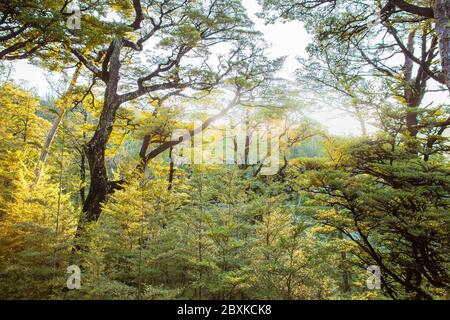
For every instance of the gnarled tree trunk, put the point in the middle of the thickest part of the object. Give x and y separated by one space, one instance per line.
96 147
441 10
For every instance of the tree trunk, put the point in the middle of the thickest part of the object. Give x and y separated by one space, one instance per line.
95 154
59 116
96 147
171 169
410 92
441 10
83 163
143 154
361 120
414 90
345 273
83 178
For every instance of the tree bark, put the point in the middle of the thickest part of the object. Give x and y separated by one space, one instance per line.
171 169
83 163
407 7
96 147
410 92
414 91
441 10
143 154
83 178
344 262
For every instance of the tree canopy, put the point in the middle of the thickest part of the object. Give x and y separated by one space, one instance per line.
171 159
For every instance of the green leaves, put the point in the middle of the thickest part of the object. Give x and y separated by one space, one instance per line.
389 209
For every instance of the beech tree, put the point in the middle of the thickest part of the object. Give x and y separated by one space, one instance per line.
89 173
355 19
176 39
385 58
357 48
31 29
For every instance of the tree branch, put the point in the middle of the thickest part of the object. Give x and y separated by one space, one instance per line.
139 17
410 8
96 71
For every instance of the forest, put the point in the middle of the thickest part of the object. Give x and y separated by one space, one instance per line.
170 156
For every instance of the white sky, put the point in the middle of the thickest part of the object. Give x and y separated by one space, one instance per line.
290 39
287 39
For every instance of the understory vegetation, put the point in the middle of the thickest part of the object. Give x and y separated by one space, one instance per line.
90 173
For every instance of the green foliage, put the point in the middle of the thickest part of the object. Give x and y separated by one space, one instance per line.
395 212
335 206
30 249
